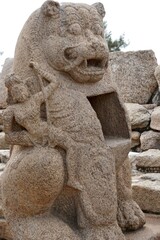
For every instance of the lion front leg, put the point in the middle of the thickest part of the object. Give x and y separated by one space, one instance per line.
129 215
97 201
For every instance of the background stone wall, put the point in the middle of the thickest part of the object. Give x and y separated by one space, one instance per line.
133 72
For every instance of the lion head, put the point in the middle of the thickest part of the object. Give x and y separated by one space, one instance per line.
69 38
75 42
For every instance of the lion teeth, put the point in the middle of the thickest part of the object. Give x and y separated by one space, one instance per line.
85 63
104 63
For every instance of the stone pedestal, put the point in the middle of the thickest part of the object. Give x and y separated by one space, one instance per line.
151 231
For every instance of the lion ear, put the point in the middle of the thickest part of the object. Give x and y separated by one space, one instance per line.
100 8
51 9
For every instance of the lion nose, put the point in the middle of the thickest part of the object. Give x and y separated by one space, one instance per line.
99 47
94 44
94 41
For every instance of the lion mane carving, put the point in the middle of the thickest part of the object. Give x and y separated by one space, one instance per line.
68 176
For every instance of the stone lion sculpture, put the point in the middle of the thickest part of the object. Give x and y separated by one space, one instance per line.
68 176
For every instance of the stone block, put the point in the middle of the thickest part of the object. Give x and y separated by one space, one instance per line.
139 116
148 161
155 119
146 192
133 156
135 138
133 72
150 140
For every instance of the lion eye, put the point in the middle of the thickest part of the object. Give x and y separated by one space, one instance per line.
97 30
75 29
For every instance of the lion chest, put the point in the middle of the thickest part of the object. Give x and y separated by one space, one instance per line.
71 111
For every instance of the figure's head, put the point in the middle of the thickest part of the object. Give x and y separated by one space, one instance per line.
71 39
17 88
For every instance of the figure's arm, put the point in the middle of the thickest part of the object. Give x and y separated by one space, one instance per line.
41 96
49 89
49 77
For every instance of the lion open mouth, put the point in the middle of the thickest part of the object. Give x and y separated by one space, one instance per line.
84 69
85 66
92 66
93 63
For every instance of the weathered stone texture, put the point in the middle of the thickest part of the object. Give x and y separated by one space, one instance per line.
133 73
133 159
135 139
151 231
4 230
150 140
155 119
3 143
139 116
4 155
3 90
148 160
1 116
157 75
146 192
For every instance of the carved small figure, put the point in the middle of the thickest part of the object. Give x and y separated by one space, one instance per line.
26 113
26 110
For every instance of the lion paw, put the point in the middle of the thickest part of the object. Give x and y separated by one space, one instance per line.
130 216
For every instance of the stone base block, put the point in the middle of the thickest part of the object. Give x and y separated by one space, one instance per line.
146 192
151 230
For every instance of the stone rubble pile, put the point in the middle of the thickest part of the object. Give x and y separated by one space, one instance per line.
138 79
145 155
145 134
